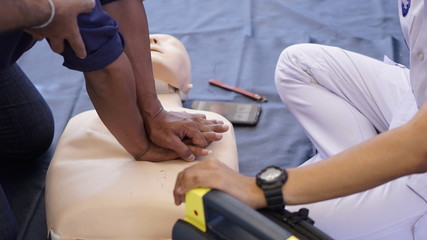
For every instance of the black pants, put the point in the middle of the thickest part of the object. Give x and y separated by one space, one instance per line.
26 132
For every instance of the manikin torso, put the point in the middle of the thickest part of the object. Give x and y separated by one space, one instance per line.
96 190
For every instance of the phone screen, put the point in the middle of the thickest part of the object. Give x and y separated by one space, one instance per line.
237 113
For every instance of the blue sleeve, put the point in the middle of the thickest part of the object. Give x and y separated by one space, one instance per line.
104 44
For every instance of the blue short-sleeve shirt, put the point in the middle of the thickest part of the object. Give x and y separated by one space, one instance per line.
99 31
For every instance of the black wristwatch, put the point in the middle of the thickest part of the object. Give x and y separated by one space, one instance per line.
271 180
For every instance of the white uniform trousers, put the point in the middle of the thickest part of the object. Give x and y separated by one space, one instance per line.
342 98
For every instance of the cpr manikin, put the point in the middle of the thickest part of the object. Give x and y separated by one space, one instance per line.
96 190
171 65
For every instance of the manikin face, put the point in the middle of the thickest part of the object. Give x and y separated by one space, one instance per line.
171 62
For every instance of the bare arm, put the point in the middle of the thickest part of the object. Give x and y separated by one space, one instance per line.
393 154
164 128
23 13
63 27
112 91
390 155
133 25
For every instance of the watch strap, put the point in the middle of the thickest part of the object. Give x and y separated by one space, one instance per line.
274 198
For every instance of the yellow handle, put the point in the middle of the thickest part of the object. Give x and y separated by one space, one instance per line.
194 208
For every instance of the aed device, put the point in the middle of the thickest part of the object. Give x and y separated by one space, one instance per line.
236 113
215 215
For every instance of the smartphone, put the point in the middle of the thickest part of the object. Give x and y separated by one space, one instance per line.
236 113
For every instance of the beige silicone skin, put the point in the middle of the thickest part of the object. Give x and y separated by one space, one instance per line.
171 65
96 190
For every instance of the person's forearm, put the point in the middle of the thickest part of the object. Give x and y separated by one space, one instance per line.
134 27
112 91
23 13
393 154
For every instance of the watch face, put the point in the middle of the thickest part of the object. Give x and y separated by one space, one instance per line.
270 174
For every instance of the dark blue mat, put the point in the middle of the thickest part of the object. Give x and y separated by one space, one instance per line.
237 42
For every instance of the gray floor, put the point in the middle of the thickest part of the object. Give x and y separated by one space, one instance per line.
237 42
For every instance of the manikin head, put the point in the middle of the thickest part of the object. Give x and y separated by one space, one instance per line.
171 64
